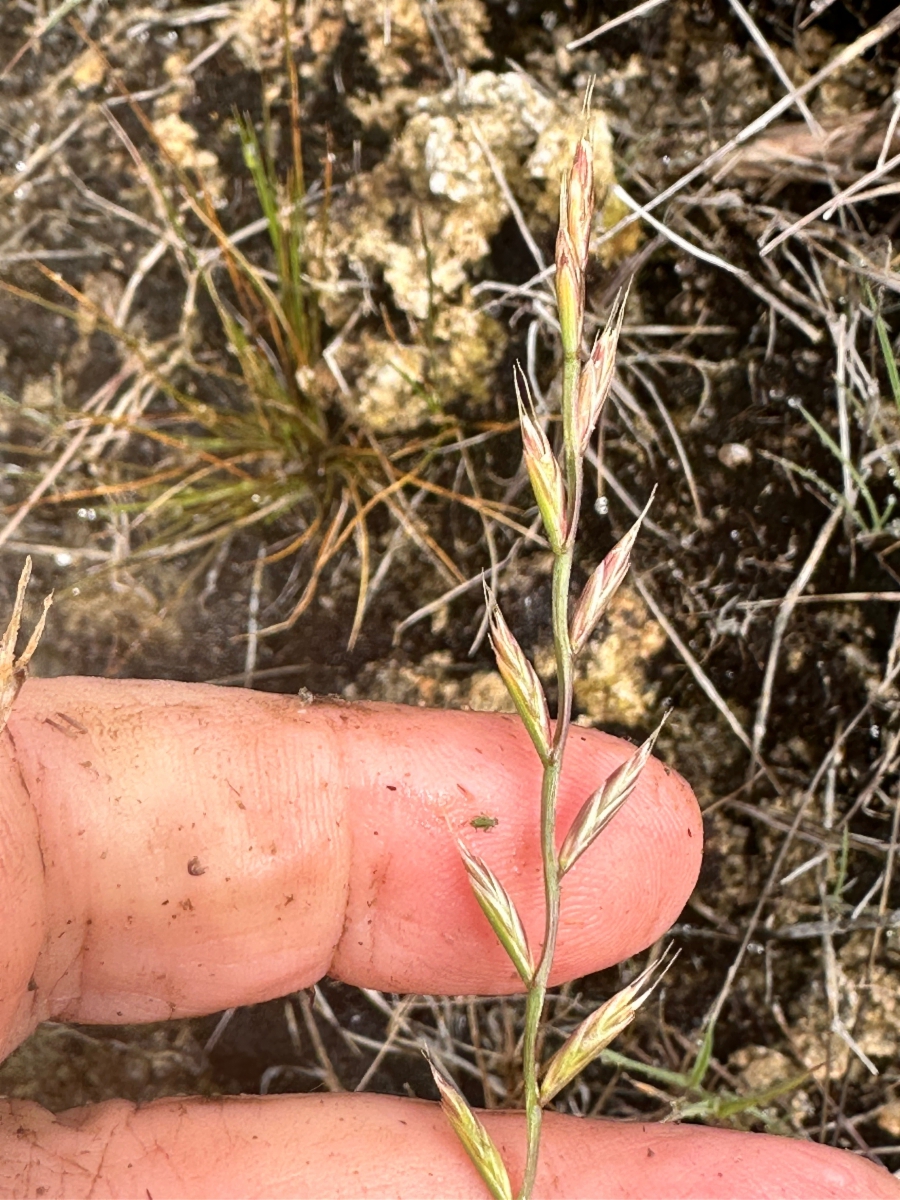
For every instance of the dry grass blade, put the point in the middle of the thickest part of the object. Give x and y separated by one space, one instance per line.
639 10
703 680
52 19
47 480
844 197
14 670
521 223
772 59
715 260
826 598
872 37
42 155
781 622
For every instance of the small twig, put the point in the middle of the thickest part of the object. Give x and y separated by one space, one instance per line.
829 207
716 260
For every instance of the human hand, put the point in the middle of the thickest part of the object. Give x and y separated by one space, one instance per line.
310 840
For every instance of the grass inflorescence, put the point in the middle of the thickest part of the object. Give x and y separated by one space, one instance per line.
557 483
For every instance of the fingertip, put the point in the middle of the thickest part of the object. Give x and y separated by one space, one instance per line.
205 848
425 779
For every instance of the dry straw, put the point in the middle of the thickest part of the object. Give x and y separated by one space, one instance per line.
557 482
13 670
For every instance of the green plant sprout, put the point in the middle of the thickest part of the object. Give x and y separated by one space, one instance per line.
557 486
887 350
702 1103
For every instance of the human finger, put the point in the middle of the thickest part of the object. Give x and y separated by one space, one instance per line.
174 849
384 1146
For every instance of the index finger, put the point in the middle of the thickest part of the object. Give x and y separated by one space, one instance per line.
173 849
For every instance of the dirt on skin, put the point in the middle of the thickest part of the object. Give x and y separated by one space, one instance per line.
737 385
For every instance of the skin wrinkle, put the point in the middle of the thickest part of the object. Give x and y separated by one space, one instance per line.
67 981
104 1150
69 971
47 1161
333 820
